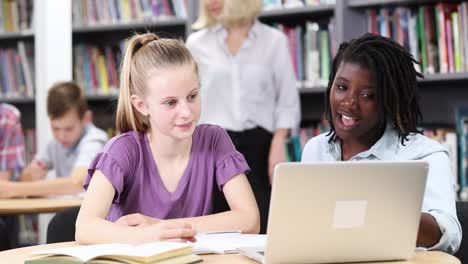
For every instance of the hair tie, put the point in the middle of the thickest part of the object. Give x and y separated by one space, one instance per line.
147 38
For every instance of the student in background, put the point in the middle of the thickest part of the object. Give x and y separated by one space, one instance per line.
11 163
11 143
76 142
248 86
155 180
373 111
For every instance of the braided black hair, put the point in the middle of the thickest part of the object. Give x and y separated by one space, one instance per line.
394 79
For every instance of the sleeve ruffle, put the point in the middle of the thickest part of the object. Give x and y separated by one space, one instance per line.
111 170
229 167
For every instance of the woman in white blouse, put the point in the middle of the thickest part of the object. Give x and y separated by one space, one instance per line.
248 86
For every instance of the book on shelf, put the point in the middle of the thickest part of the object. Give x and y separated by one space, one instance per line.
17 71
95 68
295 144
310 47
461 117
435 34
26 55
16 16
156 252
104 12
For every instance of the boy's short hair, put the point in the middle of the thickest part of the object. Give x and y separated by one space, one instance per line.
64 97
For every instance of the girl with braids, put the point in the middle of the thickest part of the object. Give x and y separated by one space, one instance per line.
373 111
138 186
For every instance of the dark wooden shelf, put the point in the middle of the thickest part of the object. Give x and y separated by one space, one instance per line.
101 97
312 90
17 35
368 3
428 79
297 11
17 100
169 22
444 77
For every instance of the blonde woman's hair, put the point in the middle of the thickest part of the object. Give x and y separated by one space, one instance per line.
205 19
239 11
144 53
234 12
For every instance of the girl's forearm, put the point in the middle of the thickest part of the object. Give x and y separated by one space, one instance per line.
99 231
245 221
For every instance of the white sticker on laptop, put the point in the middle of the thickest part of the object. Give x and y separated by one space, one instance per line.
349 214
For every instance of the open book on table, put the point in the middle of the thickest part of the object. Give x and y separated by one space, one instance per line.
157 252
226 242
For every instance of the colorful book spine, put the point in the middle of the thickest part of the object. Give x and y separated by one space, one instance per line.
456 43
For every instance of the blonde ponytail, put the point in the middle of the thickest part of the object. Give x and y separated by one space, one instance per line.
144 53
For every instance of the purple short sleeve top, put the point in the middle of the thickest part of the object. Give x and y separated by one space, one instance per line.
128 164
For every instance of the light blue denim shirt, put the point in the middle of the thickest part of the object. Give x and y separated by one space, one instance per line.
439 197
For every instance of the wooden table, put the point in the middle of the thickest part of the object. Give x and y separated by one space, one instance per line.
19 255
36 205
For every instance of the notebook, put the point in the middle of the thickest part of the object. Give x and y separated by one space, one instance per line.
157 252
343 212
226 242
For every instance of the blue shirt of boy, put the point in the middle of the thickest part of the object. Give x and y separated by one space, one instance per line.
439 197
63 160
128 163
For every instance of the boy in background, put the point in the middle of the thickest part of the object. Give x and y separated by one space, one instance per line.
11 162
76 142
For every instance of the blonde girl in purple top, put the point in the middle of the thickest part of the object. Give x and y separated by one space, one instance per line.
155 180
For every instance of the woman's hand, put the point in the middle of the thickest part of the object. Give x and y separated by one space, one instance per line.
277 151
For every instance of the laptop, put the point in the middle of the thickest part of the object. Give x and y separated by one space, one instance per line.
343 212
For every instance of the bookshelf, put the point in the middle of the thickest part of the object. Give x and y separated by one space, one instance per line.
369 3
16 58
18 100
17 35
311 83
98 44
444 77
440 93
443 89
97 33
305 11
162 23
